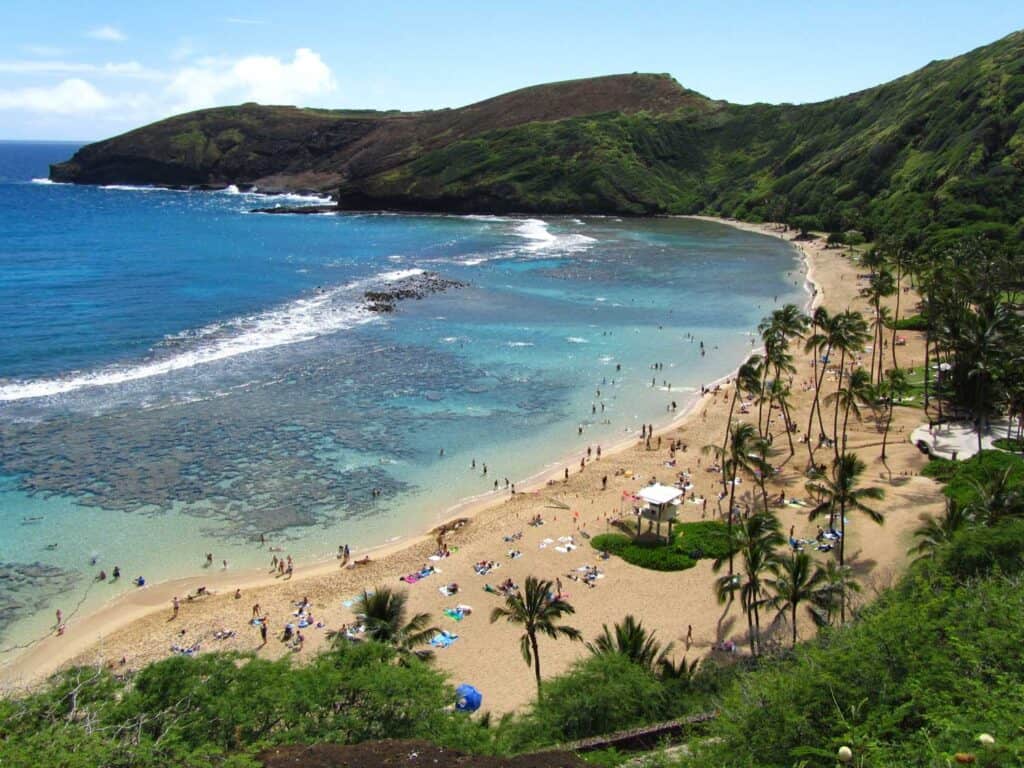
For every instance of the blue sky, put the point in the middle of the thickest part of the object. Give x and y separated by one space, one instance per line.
86 70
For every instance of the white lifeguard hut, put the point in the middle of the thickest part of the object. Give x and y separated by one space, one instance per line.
662 505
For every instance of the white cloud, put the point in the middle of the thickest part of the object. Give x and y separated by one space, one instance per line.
72 96
45 51
108 33
116 98
265 79
129 69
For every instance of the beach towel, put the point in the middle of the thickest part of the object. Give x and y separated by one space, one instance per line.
412 578
443 639
454 614
445 591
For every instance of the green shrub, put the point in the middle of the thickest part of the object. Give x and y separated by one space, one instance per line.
599 694
1009 444
979 550
656 556
912 323
704 539
913 681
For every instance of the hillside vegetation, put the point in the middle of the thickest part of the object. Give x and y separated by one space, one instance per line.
935 153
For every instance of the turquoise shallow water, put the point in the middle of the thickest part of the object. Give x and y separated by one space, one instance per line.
180 375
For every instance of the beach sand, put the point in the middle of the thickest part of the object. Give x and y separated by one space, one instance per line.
138 626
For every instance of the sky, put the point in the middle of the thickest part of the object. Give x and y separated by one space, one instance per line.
87 69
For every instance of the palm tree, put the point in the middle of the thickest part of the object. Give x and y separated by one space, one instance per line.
632 640
538 610
748 381
384 612
840 494
798 581
850 334
896 387
858 391
820 344
880 285
757 540
838 585
744 451
934 532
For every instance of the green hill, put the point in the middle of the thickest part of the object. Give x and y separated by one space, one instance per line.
936 153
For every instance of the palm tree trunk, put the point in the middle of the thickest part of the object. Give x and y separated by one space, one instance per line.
816 404
732 494
888 423
835 417
728 424
842 558
793 621
896 313
750 629
789 427
760 399
536 660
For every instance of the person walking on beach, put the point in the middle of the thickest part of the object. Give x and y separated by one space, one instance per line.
174 608
689 636
263 632
60 617
256 610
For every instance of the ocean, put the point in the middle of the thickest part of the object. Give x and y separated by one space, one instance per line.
179 375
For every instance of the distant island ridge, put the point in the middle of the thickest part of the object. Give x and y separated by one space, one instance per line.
935 155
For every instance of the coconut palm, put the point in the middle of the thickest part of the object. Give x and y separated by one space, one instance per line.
538 610
797 581
839 494
934 532
384 613
880 285
748 381
837 588
819 343
850 334
757 540
630 639
895 388
744 451
857 392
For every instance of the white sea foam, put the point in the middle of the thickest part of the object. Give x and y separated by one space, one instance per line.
137 188
520 344
50 181
541 238
577 340
302 320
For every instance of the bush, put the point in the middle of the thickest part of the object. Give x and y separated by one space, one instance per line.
922 672
599 694
704 539
691 542
1009 444
657 556
980 550
912 323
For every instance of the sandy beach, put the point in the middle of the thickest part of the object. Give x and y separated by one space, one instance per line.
139 627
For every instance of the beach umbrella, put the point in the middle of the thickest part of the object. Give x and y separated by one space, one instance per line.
468 698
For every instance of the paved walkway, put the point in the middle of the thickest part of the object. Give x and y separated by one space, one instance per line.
956 440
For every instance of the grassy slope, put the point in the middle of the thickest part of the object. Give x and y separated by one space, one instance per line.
942 148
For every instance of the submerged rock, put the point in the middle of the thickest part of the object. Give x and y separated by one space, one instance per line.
412 287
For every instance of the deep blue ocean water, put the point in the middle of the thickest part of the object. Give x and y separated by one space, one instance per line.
179 375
